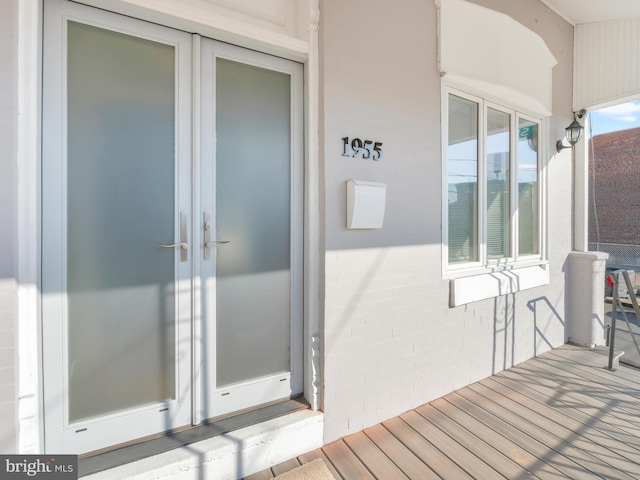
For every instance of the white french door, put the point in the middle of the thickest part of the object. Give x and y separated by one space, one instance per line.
252 199
171 262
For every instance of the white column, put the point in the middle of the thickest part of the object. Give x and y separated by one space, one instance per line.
581 191
585 292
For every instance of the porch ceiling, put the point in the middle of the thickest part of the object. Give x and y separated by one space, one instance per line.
589 11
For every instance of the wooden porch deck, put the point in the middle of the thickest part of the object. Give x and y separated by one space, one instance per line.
561 415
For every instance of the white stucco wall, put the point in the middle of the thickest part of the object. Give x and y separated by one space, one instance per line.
390 340
8 229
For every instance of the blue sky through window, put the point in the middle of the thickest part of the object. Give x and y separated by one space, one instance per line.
618 117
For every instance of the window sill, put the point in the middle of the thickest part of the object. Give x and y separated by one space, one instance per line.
473 288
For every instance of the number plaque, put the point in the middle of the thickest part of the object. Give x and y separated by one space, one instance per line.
367 148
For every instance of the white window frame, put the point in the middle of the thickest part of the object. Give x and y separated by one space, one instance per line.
484 106
513 261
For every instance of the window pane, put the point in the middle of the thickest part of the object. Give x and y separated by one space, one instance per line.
498 201
463 180
528 229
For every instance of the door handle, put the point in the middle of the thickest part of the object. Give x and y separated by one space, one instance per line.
208 243
184 246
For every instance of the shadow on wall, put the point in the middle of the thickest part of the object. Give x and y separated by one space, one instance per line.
505 315
543 310
503 321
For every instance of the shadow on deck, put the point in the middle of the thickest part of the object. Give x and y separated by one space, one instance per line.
560 415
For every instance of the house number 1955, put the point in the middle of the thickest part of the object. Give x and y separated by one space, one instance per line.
368 148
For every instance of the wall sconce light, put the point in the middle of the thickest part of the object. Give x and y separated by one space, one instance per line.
573 132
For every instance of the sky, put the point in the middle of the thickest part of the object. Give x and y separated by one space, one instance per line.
615 118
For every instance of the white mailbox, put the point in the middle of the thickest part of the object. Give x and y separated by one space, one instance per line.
365 204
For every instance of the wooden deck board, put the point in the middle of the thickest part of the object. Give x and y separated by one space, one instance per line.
512 450
345 461
595 357
588 430
600 378
406 461
561 415
626 443
376 461
598 360
535 446
424 450
577 437
572 400
547 432
618 386
610 383
452 449
474 444
618 405
544 375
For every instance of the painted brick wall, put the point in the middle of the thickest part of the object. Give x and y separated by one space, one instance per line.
392 343
614 183
390 340
8 207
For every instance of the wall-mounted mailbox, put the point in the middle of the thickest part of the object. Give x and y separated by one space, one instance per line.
365 204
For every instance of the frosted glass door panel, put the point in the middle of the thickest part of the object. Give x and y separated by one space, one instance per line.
253 213
120 208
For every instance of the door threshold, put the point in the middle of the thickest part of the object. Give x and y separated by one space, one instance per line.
130 454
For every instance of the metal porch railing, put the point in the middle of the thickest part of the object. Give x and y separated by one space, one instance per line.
616 276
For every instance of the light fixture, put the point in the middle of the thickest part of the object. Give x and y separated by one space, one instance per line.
573 132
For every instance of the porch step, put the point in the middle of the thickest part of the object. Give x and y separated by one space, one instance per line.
603 355
616 357
229 456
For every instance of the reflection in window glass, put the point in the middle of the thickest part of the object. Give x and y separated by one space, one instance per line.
498 185
462 180
527 188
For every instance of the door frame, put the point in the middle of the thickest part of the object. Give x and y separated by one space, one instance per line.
190 149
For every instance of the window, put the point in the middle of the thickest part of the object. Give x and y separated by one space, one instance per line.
493 187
